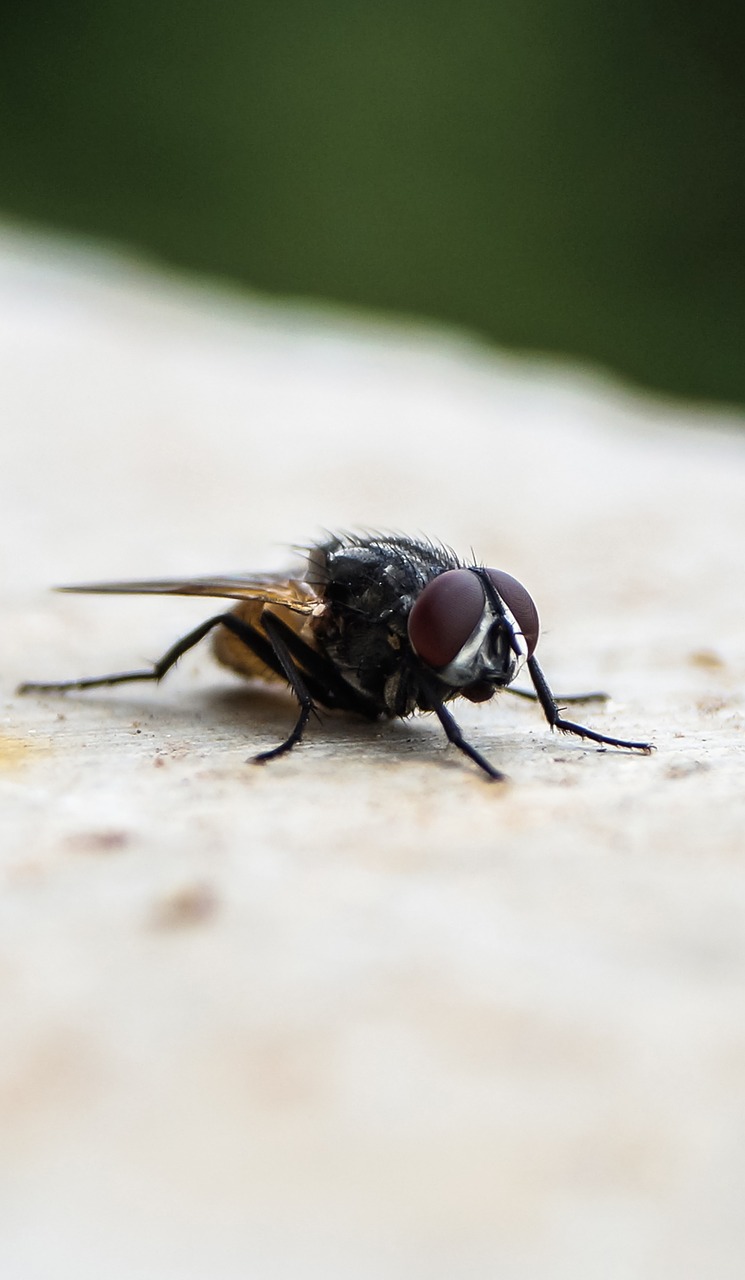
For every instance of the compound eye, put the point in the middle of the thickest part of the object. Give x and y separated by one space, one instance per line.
520 605
445 615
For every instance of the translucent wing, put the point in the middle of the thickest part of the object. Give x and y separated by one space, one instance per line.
267 588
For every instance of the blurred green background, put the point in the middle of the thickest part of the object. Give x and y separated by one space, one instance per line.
564 177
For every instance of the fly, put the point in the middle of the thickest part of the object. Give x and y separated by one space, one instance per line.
377 625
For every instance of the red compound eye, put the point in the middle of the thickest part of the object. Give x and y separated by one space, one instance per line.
445 615
520 605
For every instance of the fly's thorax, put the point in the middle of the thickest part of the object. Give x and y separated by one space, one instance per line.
366 588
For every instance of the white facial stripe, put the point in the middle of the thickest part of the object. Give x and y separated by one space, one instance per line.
460 670
470 664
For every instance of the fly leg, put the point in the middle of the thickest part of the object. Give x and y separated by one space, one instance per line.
297 683
270 647
156 672
596 696
553 715
272 652
454 734
331 688
252 638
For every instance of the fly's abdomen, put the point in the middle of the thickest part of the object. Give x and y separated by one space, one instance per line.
233 652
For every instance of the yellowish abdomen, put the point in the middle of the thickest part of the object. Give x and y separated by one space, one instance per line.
231 651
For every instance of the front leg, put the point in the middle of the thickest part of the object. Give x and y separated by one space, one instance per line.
454 734
553 714
430 700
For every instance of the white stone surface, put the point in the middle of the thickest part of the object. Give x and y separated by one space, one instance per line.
360 1014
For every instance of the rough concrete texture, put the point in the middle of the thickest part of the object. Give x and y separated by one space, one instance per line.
360 1013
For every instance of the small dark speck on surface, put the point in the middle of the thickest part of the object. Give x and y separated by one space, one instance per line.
189 905
706 658
104 841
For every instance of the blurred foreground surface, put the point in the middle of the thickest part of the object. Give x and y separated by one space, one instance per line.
360 1013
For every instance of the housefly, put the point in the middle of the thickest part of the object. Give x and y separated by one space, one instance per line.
378 625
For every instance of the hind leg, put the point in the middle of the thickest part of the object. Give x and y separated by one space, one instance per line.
156 672
270 648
